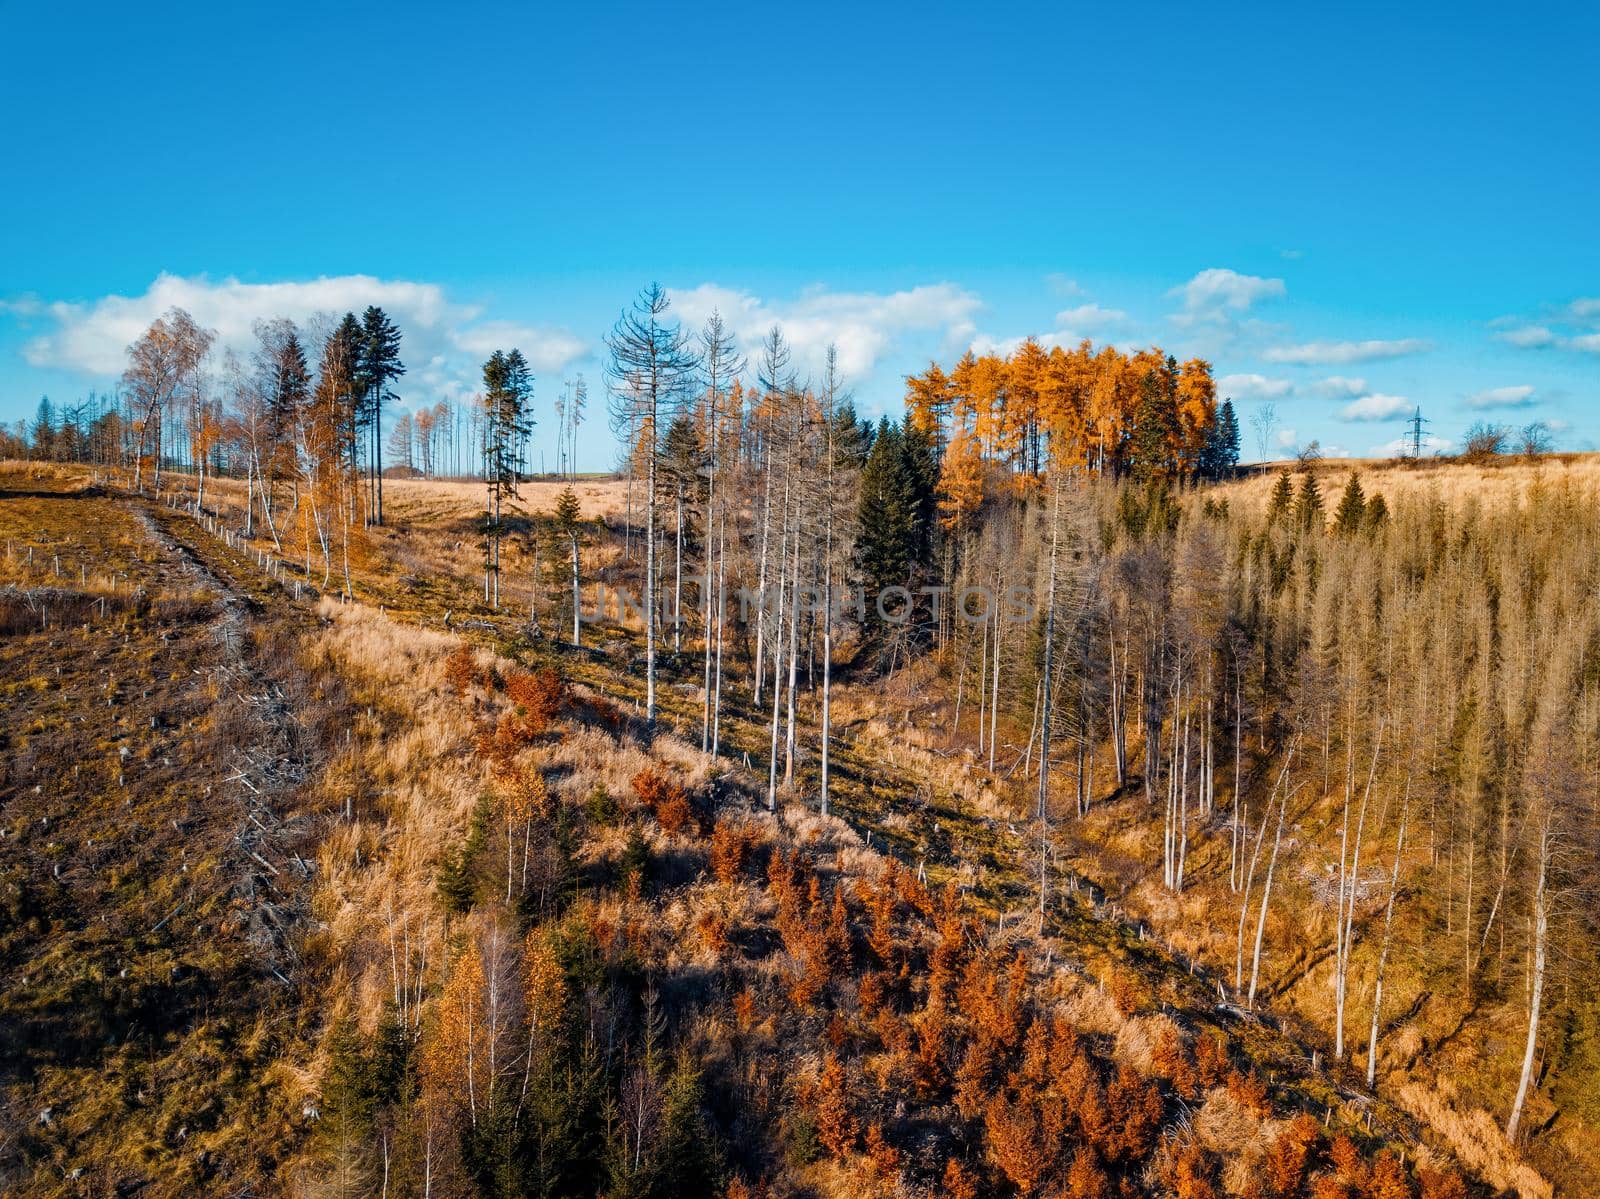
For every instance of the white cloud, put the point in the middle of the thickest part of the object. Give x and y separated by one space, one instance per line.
864 326
1375 407
1340 386
1285 438
1520 396
1331 353
1253 387
548 351
1216 295
1569 327
1089 316
1528 337
1431 444
442 340
94 337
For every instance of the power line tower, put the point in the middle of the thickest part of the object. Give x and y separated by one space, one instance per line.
1415 422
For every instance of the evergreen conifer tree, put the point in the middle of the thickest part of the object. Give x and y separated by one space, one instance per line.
1309 510
1351 513
379 365
1282 499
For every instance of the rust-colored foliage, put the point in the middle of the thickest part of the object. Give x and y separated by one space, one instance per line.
879 902
835 1109
461 669
1290 1156
933 1037
960 1182
882 1156
1346 1159
1192 1174
1016 1142
536 700
1134 1108
1085 1177
1210 1060
744 1010
538 697
1249 1092
1170 1060
1126 991
730 848
712 927
668 802
1387 1179
1441 1183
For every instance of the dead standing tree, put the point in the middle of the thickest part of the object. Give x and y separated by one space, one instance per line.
651 373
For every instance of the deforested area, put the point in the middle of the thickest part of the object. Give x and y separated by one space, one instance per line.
1011 795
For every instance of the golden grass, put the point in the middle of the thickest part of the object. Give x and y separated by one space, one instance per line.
1473 1136
1453 484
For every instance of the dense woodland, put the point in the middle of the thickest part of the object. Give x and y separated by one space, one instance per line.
1342 753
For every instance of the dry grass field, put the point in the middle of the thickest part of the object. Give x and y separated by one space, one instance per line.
146 961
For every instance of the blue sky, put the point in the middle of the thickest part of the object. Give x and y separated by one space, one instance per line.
1349 211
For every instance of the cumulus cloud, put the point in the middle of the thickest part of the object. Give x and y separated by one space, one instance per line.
1340 386
1336 353
93 337
1253 387
1528 337
443 339
1089 316
1087 321
1375 407
1572 326
1520 396
1217 296
864 326
1431 444
548 351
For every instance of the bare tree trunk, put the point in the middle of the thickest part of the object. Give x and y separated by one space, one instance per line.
1266 898
1383 949
1541 927
1347 905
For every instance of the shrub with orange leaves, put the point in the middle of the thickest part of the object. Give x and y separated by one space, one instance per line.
1126 991
1250 1093
1169 1059
1016 1142
1441 1183
667 801
933 1038
1210 1060
538 698
835 1109
1290 1155
960 1182
730 847
1346 1159
712 927
879 902
461 669
1387 1179
1192 1174
881 1155
1085 1178
744 1010
1134 1109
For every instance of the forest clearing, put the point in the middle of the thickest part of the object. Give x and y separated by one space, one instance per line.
420 873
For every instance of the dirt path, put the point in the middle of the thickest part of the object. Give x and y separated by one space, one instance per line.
265 766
